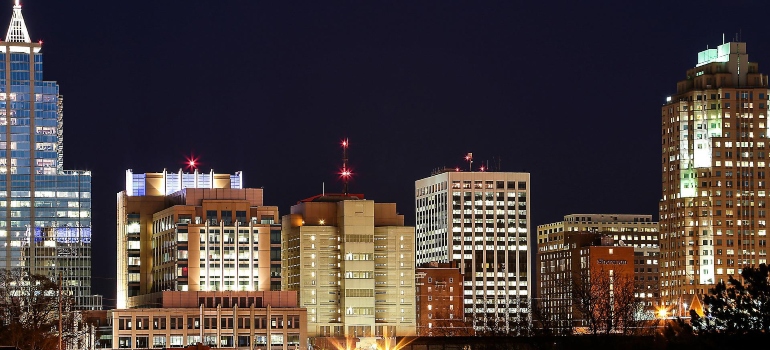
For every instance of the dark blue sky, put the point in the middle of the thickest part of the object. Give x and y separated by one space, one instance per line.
569 91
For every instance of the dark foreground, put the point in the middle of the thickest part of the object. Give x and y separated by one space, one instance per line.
591 342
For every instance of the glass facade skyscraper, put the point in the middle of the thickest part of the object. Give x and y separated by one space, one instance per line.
46 219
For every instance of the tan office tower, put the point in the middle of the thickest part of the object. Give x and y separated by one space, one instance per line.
713 206
194 232
352 262
480 220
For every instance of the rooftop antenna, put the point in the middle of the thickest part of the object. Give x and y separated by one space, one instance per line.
723 38
469 158
345 172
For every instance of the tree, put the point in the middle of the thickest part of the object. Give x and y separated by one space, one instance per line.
548 320
512 317
737 307
605 300
29 308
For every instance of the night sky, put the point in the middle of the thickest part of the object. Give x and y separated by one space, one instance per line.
569 91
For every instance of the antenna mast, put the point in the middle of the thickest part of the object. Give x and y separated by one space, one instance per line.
345 173
469 158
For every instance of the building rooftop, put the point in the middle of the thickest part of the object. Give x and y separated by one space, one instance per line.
333 197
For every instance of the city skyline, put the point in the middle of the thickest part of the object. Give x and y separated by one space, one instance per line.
565 93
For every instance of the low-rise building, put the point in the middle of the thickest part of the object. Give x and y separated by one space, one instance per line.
439 290
257 320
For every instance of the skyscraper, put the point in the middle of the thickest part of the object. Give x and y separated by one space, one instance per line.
46 222
713 213
480 220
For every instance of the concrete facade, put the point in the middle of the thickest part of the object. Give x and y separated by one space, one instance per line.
174 236
243 320
352 262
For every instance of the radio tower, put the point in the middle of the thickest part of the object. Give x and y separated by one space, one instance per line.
345 173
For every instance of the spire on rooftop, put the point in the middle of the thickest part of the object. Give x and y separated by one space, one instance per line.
17 31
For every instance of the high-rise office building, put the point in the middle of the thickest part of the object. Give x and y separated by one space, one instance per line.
194 232
352 262
714 140
46 223
480 221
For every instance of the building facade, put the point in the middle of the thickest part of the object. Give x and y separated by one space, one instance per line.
46 222
584 283
175 236
352 262
631 230
714 140
440 301
244 320
480 221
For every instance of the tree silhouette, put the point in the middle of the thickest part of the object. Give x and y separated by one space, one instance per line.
737 307
29 311
605 301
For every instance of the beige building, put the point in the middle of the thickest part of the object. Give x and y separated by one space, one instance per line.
244 320
480 221
630 230
195 232
713 208
352 262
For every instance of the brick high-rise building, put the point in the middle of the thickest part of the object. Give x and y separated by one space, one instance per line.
632 230
590 269
714 139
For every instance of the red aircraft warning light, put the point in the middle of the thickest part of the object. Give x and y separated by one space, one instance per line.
191 162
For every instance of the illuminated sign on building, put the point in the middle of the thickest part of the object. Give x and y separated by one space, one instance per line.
613 262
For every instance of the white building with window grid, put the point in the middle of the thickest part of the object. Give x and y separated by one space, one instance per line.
480 220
